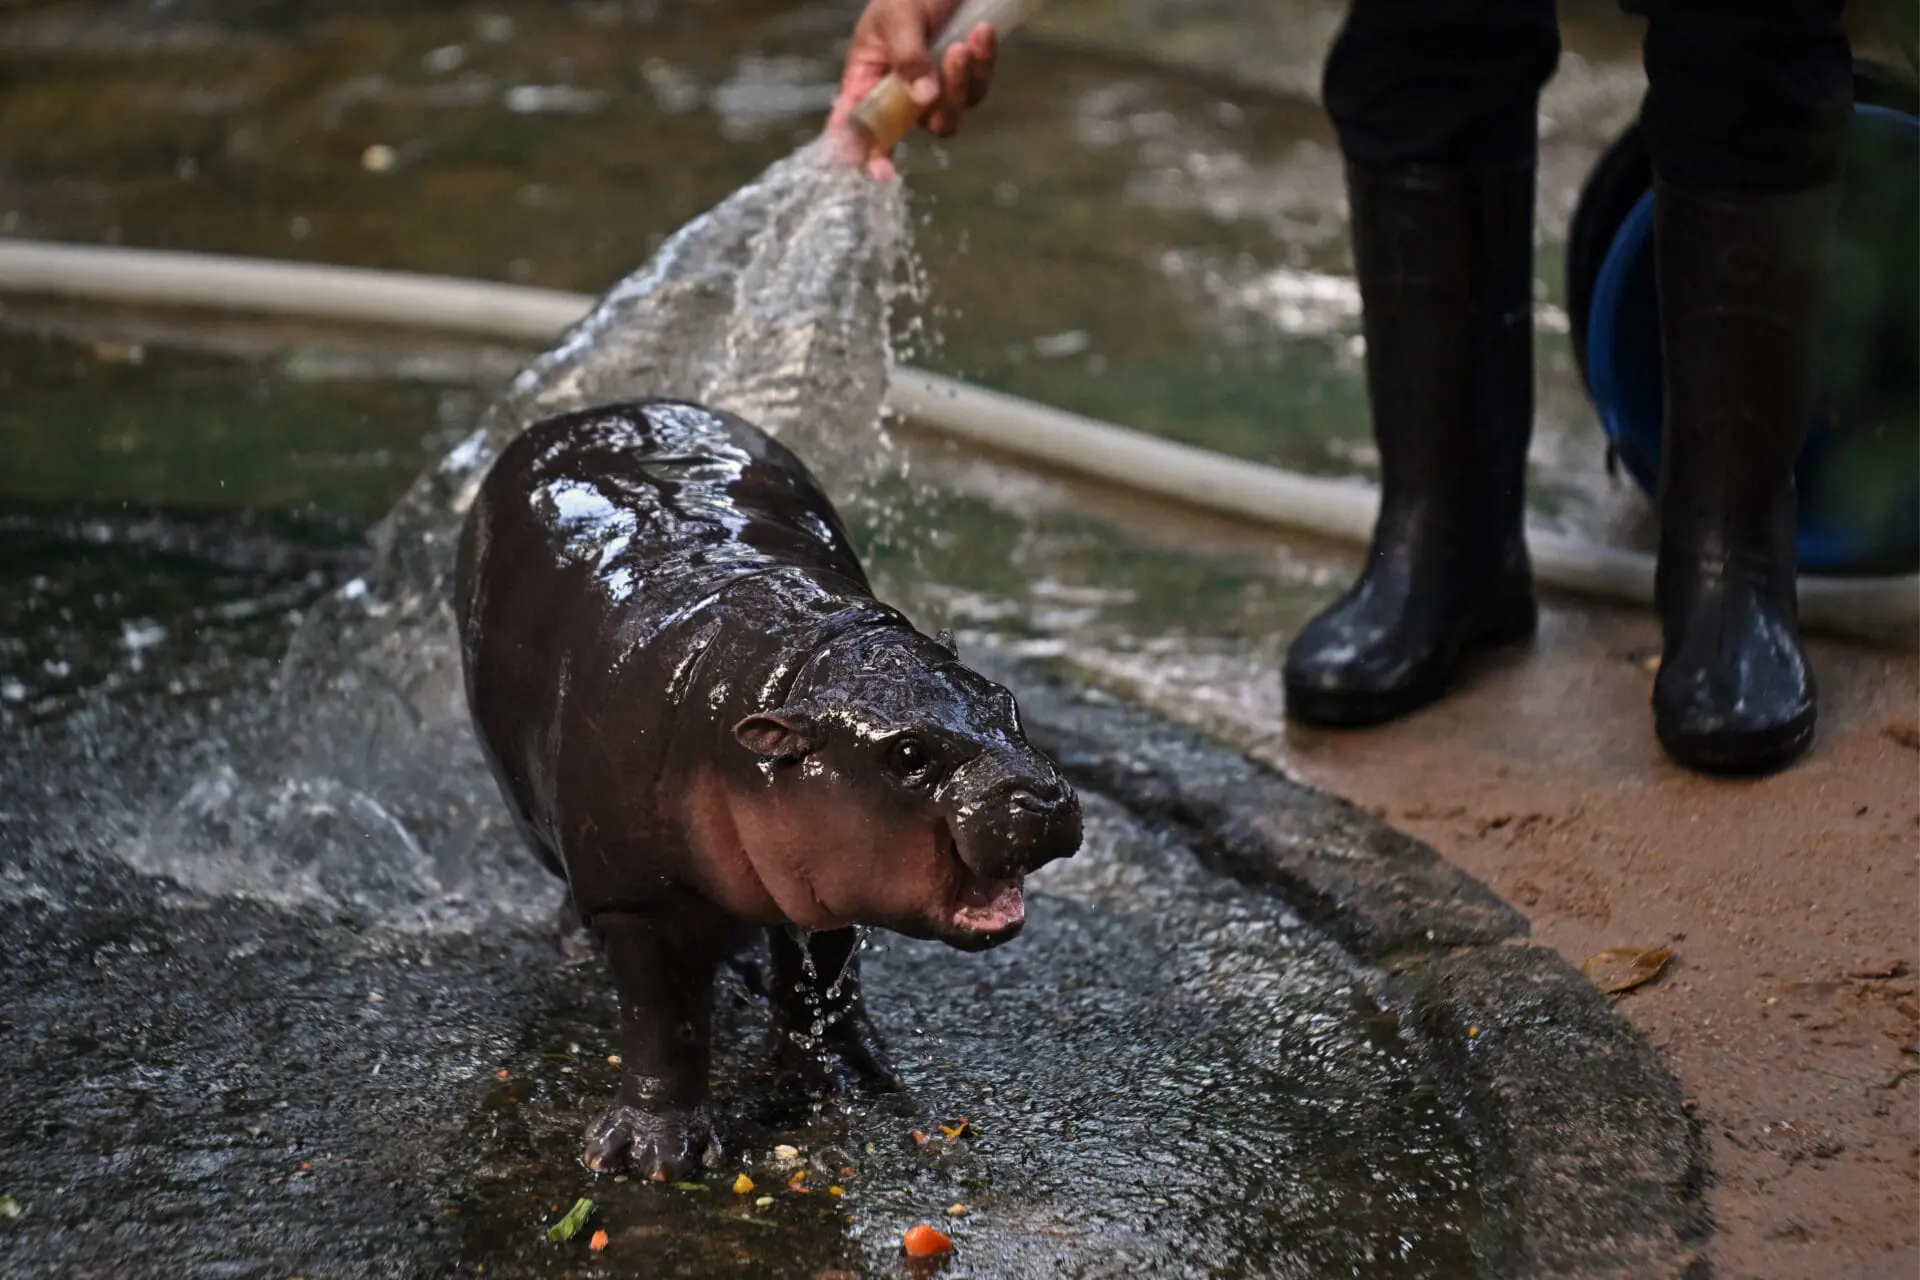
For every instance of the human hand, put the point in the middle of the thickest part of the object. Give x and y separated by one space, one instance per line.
891 37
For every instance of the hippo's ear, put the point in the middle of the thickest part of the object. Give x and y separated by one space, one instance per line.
786 734
944 638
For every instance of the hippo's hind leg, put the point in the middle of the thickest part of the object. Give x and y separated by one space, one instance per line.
663 968
824 1042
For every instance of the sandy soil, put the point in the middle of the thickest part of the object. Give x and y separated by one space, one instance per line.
1791 905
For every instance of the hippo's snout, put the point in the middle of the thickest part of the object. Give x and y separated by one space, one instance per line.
1020 825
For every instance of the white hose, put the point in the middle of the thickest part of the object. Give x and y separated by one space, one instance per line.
1878 608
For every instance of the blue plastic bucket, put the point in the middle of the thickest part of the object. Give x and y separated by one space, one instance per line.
1859 475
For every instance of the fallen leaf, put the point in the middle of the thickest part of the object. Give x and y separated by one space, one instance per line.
687 1186
1626 967
743 1185
1880 972
569 1227
919 1138
836 1191
958 1129
598 1242
758 1222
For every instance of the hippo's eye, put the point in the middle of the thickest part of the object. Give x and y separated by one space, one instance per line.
909 759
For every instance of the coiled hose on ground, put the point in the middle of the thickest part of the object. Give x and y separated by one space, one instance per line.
1880 609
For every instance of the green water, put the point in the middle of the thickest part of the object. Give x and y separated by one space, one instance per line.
1131 227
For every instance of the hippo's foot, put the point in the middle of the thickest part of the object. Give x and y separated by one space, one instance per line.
575 942
845 1059
666 1145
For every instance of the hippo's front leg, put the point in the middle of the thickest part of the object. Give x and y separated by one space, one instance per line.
663 967
823 1040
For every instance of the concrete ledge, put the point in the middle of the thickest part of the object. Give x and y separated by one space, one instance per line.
1586 1145
1382 894
1589 1160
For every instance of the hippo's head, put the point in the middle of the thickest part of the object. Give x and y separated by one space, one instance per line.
900 791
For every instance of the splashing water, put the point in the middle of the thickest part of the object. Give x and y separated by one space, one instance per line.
363 782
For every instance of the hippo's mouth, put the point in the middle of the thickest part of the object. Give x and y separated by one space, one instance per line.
985 910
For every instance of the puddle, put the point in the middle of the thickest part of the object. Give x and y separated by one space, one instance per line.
213 1086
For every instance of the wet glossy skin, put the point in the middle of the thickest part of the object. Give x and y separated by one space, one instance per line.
702 718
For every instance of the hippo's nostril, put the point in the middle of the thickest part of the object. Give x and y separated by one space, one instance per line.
1025 799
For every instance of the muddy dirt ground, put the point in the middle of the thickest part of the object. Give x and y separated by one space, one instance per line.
1789 1009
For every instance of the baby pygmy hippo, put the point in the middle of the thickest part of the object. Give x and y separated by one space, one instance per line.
701 718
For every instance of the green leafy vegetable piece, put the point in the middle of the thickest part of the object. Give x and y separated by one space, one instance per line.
569 1227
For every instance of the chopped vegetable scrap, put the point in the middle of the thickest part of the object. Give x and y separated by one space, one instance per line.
1620 969
743 1185
763 1202
956 1211
569 1227
784 1152
924 1242
598 1242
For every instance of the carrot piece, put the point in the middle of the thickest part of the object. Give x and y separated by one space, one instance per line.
924 1242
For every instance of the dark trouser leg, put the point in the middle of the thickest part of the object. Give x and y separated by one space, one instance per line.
663 968
823 1040
1746 122
1436 102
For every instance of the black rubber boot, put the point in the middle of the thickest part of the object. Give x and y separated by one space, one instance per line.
1741 278
1445 262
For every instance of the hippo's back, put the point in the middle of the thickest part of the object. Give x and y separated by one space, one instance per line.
592 566
658 502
